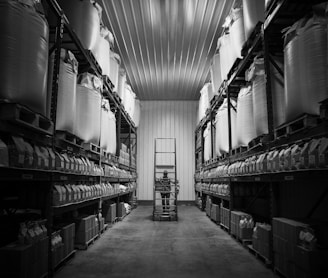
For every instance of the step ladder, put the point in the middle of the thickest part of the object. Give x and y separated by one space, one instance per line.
166 188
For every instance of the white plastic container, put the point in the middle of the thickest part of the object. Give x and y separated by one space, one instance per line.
114 65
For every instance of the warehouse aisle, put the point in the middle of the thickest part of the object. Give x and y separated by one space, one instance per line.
139 247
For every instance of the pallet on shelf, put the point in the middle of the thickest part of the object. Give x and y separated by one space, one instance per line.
91 147
69 137
266 261
85 246
21 115
302 123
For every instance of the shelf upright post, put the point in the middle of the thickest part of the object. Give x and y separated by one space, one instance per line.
130 147
118 131
229 120
49 210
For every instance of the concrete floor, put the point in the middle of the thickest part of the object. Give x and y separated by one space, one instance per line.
138 247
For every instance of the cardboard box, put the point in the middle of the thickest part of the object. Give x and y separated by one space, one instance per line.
280 263
311 261
16 260
245 233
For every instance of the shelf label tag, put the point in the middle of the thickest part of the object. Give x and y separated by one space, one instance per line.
289 178
27 177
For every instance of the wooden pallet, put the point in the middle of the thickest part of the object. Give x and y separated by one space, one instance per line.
165 217
304 122
85 246
106 226
21 115
69 137
65 260
244 242
266 261
239 150
224 227
258 141
91 148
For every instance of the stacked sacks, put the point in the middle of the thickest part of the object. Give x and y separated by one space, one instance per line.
66 97
88 111
23 54
305 64
222 128
227 54
245 123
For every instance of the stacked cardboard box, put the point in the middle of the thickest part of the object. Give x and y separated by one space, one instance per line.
208 206
235 229
225 216
262 241
121 210
292 258
215 213
68 237
85 229
24 261
109 211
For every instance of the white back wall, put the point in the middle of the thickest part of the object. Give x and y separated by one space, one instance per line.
167 119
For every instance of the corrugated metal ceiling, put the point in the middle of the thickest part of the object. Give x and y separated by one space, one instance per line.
166 45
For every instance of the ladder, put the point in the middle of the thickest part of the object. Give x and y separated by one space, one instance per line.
166 188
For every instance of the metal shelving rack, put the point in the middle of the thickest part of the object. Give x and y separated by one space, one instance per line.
270 186
41 181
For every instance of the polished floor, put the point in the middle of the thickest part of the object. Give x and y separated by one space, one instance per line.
193 247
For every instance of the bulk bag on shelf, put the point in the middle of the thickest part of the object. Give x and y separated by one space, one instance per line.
88 108
227 55
253 12
114 66
23 54
305 66
136 115
66 97
260 110
222 127
112 143
216 77
207 142
121 84
278 93
245 118
84 18
102 49
237 32
105 130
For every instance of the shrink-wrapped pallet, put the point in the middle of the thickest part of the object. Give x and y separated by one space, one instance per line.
23 54
245 118
88 108
66 96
